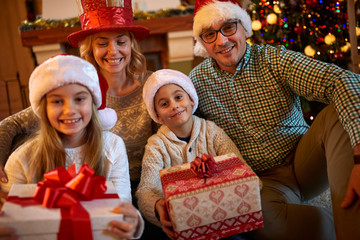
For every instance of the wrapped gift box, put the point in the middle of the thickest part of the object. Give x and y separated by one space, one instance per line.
226 204
39 223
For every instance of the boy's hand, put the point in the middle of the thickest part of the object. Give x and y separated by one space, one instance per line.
164 218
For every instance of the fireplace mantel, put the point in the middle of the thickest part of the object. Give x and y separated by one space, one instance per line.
157 42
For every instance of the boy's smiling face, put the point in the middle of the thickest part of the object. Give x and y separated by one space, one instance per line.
174 108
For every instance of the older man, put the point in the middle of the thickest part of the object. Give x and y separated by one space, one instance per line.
252 92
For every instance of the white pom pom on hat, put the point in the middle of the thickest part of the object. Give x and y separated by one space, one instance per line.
62 70
164 77
208 12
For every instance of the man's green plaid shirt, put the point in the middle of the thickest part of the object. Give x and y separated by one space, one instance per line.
259 106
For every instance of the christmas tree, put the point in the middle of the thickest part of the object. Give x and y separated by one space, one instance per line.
317 28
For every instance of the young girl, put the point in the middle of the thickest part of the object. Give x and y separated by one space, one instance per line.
171 100
64 93
109 40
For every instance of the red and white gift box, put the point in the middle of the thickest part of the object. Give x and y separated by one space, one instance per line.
226 204
85 219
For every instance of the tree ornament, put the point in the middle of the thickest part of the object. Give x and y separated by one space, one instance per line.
298 29
256 25
357 30
264 23
271 18
346 47
339 55
329 39
309 51
320 39
311 3
277 9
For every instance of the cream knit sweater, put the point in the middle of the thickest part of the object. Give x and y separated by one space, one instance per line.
165 150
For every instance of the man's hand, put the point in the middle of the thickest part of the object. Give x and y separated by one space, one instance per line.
166 225
353 190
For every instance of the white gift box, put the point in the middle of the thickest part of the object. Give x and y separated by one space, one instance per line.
36 222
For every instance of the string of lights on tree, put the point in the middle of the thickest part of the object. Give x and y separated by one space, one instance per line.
317 28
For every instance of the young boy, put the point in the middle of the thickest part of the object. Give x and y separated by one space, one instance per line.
171 100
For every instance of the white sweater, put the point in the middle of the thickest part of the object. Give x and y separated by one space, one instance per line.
116 165
165 150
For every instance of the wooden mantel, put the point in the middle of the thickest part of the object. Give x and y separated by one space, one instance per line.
156 43
58 35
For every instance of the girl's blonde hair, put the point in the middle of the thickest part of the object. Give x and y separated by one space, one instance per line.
136 67
50 153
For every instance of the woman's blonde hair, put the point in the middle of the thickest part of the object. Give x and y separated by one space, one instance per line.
136 67
50 153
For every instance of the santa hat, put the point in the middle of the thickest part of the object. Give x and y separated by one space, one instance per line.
106 16
209 12
164 77
66 69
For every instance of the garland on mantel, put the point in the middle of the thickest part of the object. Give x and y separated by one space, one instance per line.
41 23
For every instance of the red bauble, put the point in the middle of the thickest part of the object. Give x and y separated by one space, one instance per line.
311 3
264 23
339 55
298 30
320 39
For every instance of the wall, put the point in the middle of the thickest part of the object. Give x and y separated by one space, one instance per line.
14 57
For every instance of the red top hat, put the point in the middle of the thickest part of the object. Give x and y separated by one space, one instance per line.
200 3
106 15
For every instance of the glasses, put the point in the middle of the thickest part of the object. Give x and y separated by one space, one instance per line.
227 30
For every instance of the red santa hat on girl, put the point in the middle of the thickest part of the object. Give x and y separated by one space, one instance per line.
209 12
66 69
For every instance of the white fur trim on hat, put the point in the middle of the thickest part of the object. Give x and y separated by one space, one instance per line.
214 12
164 77
62 70
107 118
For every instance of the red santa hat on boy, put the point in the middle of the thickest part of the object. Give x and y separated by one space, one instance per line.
66 69
208 12
161 78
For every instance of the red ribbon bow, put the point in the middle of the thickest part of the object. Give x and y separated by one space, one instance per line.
65 189
203 167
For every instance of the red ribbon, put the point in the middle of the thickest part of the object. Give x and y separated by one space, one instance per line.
203 167
65 189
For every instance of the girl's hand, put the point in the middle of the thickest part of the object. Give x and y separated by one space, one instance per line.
7 232
164 218
125 229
